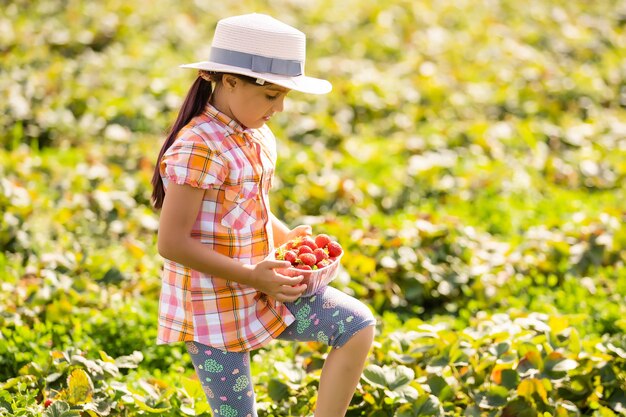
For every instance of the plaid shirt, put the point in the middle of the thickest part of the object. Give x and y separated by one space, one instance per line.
235 167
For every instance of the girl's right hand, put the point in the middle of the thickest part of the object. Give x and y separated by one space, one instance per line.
281 287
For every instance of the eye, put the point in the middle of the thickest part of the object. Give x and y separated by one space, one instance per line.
271 97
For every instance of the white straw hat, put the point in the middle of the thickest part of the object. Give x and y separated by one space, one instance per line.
262 47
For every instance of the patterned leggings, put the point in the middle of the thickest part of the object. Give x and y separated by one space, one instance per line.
330 316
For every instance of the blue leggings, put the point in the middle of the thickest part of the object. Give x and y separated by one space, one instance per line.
330 316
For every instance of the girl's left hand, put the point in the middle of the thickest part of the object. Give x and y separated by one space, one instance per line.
302 230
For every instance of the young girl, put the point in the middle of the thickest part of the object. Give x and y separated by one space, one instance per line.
220 291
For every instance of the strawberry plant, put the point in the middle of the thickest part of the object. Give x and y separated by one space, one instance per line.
473 172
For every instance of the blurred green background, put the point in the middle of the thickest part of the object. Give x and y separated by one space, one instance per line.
470 159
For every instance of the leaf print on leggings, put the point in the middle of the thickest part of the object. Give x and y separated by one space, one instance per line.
341 327
304 312
303 325
321 337
227 411
302 316
241 383
211 365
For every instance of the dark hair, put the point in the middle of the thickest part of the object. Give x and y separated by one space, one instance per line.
197 98
193 105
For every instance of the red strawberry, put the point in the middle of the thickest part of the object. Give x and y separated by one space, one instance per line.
308 259
290 256
304 249
320 254
308 241
322 240
304 267
334 249
47 403
323 263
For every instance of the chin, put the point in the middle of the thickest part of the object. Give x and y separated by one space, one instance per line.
256 125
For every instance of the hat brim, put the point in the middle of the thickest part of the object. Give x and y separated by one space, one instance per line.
300 83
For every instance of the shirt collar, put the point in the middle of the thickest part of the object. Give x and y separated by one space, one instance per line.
235 126
243 136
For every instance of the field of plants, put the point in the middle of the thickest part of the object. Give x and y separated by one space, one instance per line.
471 160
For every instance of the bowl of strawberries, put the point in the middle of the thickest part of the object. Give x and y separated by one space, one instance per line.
316 258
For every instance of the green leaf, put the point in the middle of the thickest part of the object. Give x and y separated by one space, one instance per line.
390 377
145 407
291 370
29 380
5 406
405 393
436 384
375 375
572 394
91 365
496 396
510 378
565 365
100 406
60 409
428 405
502 348
277 390
617 401
472 411
529 387
202 407
53 377
129 361
566 409
401 358
193 388
113 276
398 376
531 361
519 408
80 388
574 341
190 411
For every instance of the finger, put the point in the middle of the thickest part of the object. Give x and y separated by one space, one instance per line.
271 264
291 290
291 281
286 299
287 296
304 230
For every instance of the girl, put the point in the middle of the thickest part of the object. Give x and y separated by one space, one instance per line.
220 291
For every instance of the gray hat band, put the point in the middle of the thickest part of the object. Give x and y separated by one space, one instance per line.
257 63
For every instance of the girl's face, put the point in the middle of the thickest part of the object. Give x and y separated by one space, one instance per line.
252 105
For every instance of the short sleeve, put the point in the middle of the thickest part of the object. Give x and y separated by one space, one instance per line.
190 161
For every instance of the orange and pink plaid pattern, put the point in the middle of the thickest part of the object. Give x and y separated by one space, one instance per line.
235 167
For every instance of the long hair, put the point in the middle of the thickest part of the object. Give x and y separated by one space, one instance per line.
194 103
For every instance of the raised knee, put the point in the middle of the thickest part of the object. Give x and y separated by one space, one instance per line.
362 340
361 333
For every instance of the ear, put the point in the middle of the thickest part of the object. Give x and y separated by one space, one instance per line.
229 81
